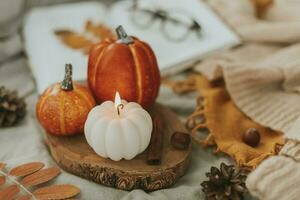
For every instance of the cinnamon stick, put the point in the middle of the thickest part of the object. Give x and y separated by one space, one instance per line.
156 143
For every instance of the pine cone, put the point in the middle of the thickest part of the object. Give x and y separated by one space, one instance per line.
226 183
12 108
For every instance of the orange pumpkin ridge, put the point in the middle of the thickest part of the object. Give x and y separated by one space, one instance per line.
43 100
155 71
62 113
109 72
127 65
145 87
137 74
97 62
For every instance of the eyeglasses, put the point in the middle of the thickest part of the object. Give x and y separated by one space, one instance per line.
175 26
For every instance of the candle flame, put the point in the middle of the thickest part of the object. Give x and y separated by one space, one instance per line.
117 100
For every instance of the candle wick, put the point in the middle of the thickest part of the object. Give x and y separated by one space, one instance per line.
120 106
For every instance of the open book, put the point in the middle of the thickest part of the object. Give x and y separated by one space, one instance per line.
48 54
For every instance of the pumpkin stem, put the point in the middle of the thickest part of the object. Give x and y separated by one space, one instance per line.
67 83
122 35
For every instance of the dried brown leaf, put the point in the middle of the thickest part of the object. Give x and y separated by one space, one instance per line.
56 192
26 169
261 6
2 180
63 32
41 176
25 197
73 40
99 30
2 165
9 193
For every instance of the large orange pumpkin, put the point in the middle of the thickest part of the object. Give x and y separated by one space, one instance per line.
63 108
127 65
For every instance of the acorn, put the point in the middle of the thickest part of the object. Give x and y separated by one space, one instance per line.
251 137
180 140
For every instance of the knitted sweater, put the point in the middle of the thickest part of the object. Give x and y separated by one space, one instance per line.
263 81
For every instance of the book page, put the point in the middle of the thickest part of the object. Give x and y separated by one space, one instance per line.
47 54
172 54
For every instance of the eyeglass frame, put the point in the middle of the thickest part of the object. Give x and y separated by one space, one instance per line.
163 16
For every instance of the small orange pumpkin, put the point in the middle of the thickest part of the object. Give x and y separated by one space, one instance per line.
63 108
127 65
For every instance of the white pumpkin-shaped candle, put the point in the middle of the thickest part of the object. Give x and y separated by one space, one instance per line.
118 129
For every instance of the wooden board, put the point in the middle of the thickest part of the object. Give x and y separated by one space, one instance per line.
74 155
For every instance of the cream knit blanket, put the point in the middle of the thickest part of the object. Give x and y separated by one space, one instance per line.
263 79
